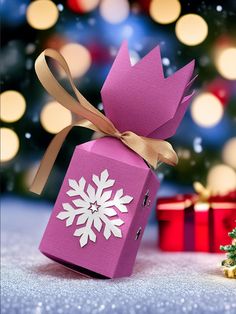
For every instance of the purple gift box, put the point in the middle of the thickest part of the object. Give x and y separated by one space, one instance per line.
107 194
101 210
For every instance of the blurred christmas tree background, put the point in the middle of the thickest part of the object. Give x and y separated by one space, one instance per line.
88 33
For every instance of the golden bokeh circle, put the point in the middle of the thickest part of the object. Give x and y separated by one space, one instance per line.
42 14
226 63
114 11
191 29
221 179
78 58
206 110
88 5
54 117
13 106
9 144
229 152
164 11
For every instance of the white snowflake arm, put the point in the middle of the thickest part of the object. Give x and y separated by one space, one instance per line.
97 223
111 227
77 189
95 208
86 233
70 213
102 183
119 201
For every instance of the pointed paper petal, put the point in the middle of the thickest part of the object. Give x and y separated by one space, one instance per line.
78 232
117 222
92 235
104 175
170 127
107 233
97 224
83 240
91 193
105 196
126 199
82 219
109 212
81 203
63 215
119 193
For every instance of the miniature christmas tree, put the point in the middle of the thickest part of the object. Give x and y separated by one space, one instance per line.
229 264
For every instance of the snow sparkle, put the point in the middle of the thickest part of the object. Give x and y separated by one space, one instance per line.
161 282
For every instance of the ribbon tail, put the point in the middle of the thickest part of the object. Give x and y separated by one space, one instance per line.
164 150
51 153
170 158
151 150
48 161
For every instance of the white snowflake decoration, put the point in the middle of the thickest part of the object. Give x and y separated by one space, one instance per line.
94 208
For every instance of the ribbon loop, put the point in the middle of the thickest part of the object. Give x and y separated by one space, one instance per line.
203 192
80 106
87 116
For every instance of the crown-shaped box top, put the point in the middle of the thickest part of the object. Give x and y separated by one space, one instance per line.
140 99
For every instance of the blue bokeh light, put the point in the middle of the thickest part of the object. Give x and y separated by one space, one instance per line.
13 12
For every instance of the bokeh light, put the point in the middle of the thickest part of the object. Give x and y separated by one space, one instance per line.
54 117
9 144
78 58
134 57
165 11
12 106
89 33
42 14
83 6
226 63
229 152
114 11
12 12
221 89
191 29
206 110
221 179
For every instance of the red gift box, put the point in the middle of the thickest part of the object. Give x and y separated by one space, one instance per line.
187 224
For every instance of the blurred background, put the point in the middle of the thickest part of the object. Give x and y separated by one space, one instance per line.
88 33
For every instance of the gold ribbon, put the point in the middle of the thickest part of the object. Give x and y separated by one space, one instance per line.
203 193
151 150
202 196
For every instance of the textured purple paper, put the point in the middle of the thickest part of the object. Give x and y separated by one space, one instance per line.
113 257
140 99
136 98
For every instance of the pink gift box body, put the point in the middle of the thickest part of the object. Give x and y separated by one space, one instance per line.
130 182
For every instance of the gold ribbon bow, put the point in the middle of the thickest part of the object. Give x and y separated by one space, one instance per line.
201 200
151 150
203 193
